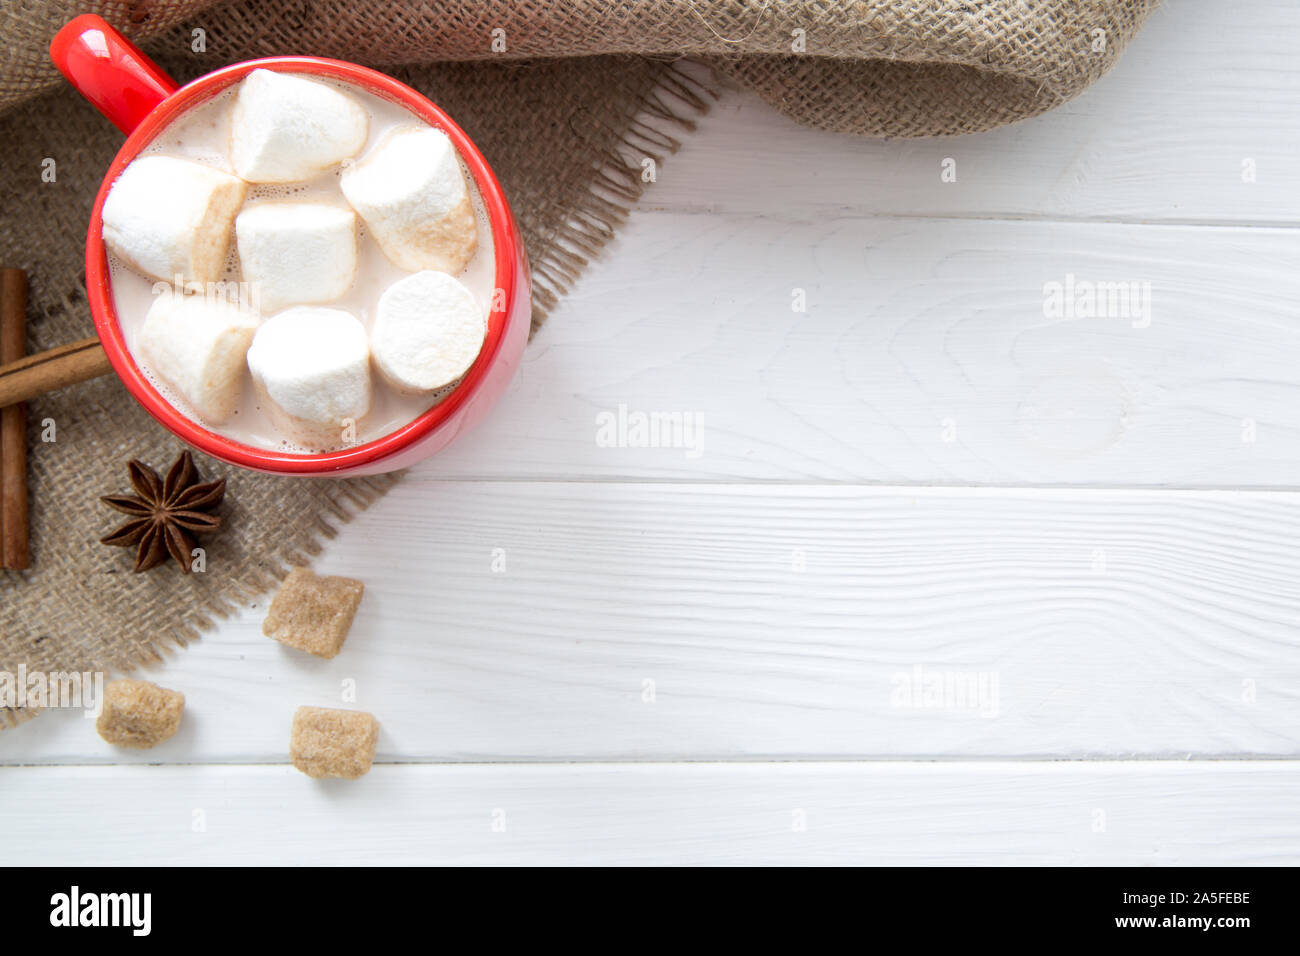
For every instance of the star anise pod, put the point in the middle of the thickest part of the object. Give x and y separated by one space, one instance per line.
164 512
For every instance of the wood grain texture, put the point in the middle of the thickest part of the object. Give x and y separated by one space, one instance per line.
1162 138
963 814
661 621
924 356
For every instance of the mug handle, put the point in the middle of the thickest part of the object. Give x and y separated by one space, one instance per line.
110 71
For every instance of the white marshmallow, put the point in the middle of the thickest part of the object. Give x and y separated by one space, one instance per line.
412 195
314 366
286 127
428 330
296 253
196 344
168 217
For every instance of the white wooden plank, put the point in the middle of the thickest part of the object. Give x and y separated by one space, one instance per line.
925 355
1101 623
888 814
1163 137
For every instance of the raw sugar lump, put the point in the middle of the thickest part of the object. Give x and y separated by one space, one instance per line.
333 743
139 714
313 613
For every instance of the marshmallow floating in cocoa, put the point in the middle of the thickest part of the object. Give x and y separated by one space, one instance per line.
170 217
314 366
285 128
197 345
428 330
411 193
296 253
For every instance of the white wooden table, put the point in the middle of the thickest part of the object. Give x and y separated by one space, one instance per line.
754 650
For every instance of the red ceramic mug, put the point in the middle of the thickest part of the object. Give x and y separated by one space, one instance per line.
141 100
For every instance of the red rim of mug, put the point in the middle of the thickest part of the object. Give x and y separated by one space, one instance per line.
98 284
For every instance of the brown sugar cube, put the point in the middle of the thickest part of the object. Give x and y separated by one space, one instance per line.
313 613
139 714
333 743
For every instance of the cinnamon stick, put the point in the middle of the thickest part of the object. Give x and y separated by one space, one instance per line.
14 551
46 371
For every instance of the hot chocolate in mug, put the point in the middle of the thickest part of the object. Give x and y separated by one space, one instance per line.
143 102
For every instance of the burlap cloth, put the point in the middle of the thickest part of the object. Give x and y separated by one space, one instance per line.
566 136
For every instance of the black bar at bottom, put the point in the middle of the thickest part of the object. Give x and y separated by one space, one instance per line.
330 906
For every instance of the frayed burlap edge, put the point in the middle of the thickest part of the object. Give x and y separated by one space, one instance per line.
671 106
